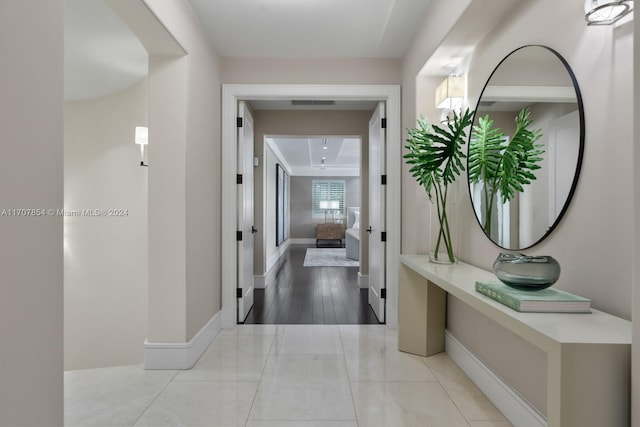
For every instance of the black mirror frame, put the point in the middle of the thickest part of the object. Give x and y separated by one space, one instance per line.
576 176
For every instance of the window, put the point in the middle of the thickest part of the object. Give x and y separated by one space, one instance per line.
327 190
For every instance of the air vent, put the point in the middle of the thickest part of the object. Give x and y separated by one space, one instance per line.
314 102
486 104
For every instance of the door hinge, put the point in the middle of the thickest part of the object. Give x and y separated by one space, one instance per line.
383 179
383 293
383 236
239 236
239 178
238 292
383 123
239 122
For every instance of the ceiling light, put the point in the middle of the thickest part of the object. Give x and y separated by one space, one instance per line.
324 145
605 12
450 92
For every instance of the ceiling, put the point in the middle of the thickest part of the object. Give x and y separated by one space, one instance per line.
318 155
101 54
311 28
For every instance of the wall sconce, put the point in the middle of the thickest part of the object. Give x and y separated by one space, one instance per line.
606 12
450 92
329 205
142 139
449 96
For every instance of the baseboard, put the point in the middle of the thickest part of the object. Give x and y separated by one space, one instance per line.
181 355
260 282
303 241
363 280
273 260
517 410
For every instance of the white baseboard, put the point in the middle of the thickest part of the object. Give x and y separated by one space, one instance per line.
273 260
518 411
363 280
303 241
181 355
260 282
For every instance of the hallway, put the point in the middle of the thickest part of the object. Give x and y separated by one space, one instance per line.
287 375
311 295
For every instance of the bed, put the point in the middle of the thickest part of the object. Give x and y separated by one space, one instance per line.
352 233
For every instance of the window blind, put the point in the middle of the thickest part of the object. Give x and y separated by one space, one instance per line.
327 190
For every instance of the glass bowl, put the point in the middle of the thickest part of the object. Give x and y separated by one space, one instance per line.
527 273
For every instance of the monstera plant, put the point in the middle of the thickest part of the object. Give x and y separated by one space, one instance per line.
435 155
504 166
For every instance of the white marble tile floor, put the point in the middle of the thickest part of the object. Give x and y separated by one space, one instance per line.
286 376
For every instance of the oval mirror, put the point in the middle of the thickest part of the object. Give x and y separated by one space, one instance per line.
525 148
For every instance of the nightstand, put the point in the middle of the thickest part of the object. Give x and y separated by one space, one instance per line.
330 231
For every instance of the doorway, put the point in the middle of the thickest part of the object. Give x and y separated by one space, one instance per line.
234 93
309 277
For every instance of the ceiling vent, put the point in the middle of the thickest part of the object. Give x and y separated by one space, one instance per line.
312 102
486 104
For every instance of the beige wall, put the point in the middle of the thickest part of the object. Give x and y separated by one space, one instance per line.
105 257
196 168
595 251
270 122
310 70
31 253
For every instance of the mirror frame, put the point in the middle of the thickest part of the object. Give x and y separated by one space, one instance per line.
576 176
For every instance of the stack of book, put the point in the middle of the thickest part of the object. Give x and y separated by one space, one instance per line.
543 301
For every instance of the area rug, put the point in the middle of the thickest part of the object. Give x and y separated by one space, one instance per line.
334 257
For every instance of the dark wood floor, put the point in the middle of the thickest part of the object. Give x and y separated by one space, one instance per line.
311 295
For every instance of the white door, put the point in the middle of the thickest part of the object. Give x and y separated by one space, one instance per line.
245 228
377 217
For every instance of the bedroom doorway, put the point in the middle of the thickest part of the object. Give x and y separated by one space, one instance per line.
311 276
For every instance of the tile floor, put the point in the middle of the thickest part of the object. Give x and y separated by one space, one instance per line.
286 376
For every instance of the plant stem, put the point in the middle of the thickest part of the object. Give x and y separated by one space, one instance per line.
444 234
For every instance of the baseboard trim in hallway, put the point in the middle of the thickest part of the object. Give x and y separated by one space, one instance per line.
181 355
514 408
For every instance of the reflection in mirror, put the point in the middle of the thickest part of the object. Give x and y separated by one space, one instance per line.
526 147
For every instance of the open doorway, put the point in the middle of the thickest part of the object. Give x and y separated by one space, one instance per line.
312 187
315 148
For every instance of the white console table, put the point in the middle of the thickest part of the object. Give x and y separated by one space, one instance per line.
588 355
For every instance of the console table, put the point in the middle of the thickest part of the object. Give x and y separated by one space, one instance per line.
329 231
588 355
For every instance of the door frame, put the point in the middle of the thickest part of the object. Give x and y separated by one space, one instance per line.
231 94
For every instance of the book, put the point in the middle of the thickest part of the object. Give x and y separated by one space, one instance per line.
543 301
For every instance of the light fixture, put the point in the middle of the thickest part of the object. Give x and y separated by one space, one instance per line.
329 205
450 92
324 144
606 12
142 139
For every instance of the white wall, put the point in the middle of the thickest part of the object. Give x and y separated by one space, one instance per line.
270 161
195 169
593 242
31 173
105 257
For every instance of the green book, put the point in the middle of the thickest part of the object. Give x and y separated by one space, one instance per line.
544 301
